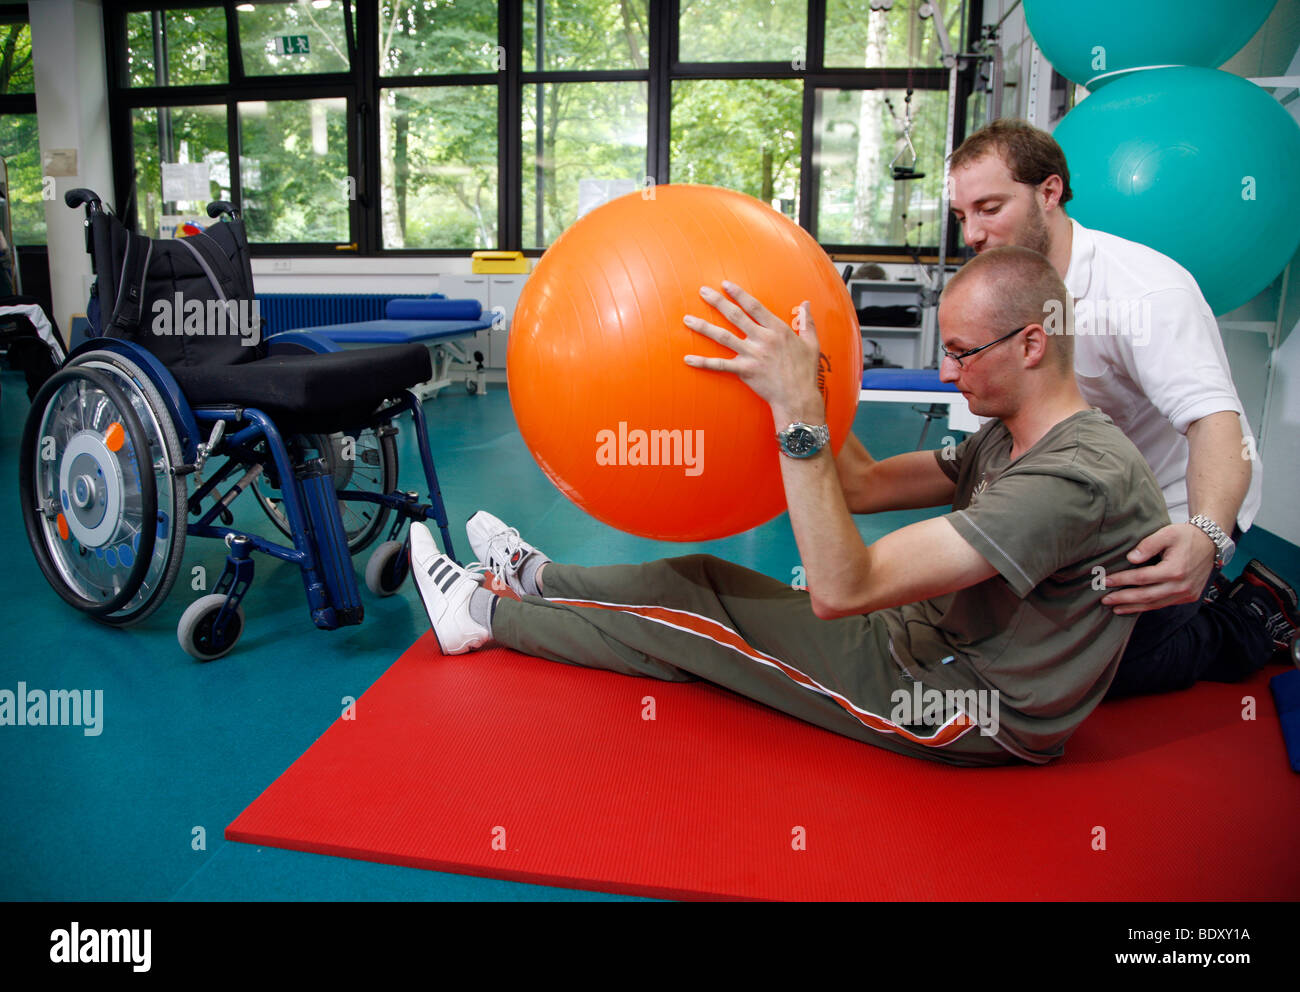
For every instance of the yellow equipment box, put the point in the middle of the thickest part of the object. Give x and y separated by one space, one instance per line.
498 261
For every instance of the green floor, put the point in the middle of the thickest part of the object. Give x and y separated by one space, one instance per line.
186 746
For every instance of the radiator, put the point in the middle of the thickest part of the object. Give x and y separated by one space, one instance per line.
290 311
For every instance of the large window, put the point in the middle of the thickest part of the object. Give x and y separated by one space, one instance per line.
740 133
443 126
861 147
181 163
181 47
742 30
19 142
584 109
439 111
438 155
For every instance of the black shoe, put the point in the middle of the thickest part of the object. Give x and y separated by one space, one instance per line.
1263 595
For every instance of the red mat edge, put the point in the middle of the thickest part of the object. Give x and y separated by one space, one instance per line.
674 894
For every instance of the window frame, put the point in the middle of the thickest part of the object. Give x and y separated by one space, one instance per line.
19 103
362 86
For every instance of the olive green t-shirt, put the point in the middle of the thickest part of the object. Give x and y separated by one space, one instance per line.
1050 522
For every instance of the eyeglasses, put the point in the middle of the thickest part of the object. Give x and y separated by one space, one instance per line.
975 351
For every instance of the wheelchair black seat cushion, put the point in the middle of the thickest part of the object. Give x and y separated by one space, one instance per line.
309 393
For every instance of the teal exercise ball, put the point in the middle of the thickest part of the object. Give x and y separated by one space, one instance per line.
1197 164
1084 41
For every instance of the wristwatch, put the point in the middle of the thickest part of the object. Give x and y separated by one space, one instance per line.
803 440
1224 546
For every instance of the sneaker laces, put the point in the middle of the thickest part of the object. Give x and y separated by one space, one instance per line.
1279 627
503 546
1276 624
479 569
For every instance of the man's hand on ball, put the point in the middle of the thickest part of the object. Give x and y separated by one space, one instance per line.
773 360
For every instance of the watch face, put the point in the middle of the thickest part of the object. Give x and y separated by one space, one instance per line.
800 441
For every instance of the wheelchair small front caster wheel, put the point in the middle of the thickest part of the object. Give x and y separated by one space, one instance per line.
387 568
471 386
195 630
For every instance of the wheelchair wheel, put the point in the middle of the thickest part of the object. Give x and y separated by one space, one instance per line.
372 468
196 633
387 568
87 491
165 454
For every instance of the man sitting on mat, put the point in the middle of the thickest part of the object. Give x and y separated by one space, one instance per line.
974 638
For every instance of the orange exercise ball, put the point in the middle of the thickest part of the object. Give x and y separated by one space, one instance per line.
604 401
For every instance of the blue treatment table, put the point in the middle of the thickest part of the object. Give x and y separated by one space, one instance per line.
445 339
918 386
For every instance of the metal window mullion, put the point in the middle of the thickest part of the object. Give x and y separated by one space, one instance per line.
658 92
809 179
585 76
539 104
234 145
447 79
234 51
816 35
120 135
510 37
365 212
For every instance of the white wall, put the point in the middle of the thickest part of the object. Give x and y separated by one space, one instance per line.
1280 446
354 275
72 112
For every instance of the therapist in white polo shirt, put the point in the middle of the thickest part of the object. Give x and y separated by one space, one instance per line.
1148 354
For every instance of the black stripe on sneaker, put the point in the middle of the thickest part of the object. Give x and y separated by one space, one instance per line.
451 580
446 567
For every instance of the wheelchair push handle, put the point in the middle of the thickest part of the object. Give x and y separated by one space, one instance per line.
218 207
79 196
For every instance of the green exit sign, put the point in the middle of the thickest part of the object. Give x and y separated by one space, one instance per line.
292 44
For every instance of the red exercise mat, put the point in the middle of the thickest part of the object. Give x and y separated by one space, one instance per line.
505 766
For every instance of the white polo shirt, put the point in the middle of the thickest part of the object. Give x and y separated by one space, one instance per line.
1148 354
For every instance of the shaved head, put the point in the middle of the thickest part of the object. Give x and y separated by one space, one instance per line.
1013 287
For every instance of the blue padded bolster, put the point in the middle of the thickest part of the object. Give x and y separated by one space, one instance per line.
431 309
397 331
1286 694
927 379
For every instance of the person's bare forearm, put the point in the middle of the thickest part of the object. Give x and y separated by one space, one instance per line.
853 467
1218 468
908 481
830 548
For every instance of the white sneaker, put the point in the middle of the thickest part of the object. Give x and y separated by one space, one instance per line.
445 589
499 548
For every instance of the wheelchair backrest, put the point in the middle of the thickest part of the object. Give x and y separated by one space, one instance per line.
188 300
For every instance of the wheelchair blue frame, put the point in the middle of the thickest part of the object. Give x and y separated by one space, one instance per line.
310 501
112 439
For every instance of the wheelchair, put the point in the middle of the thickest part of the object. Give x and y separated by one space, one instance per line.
181 384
